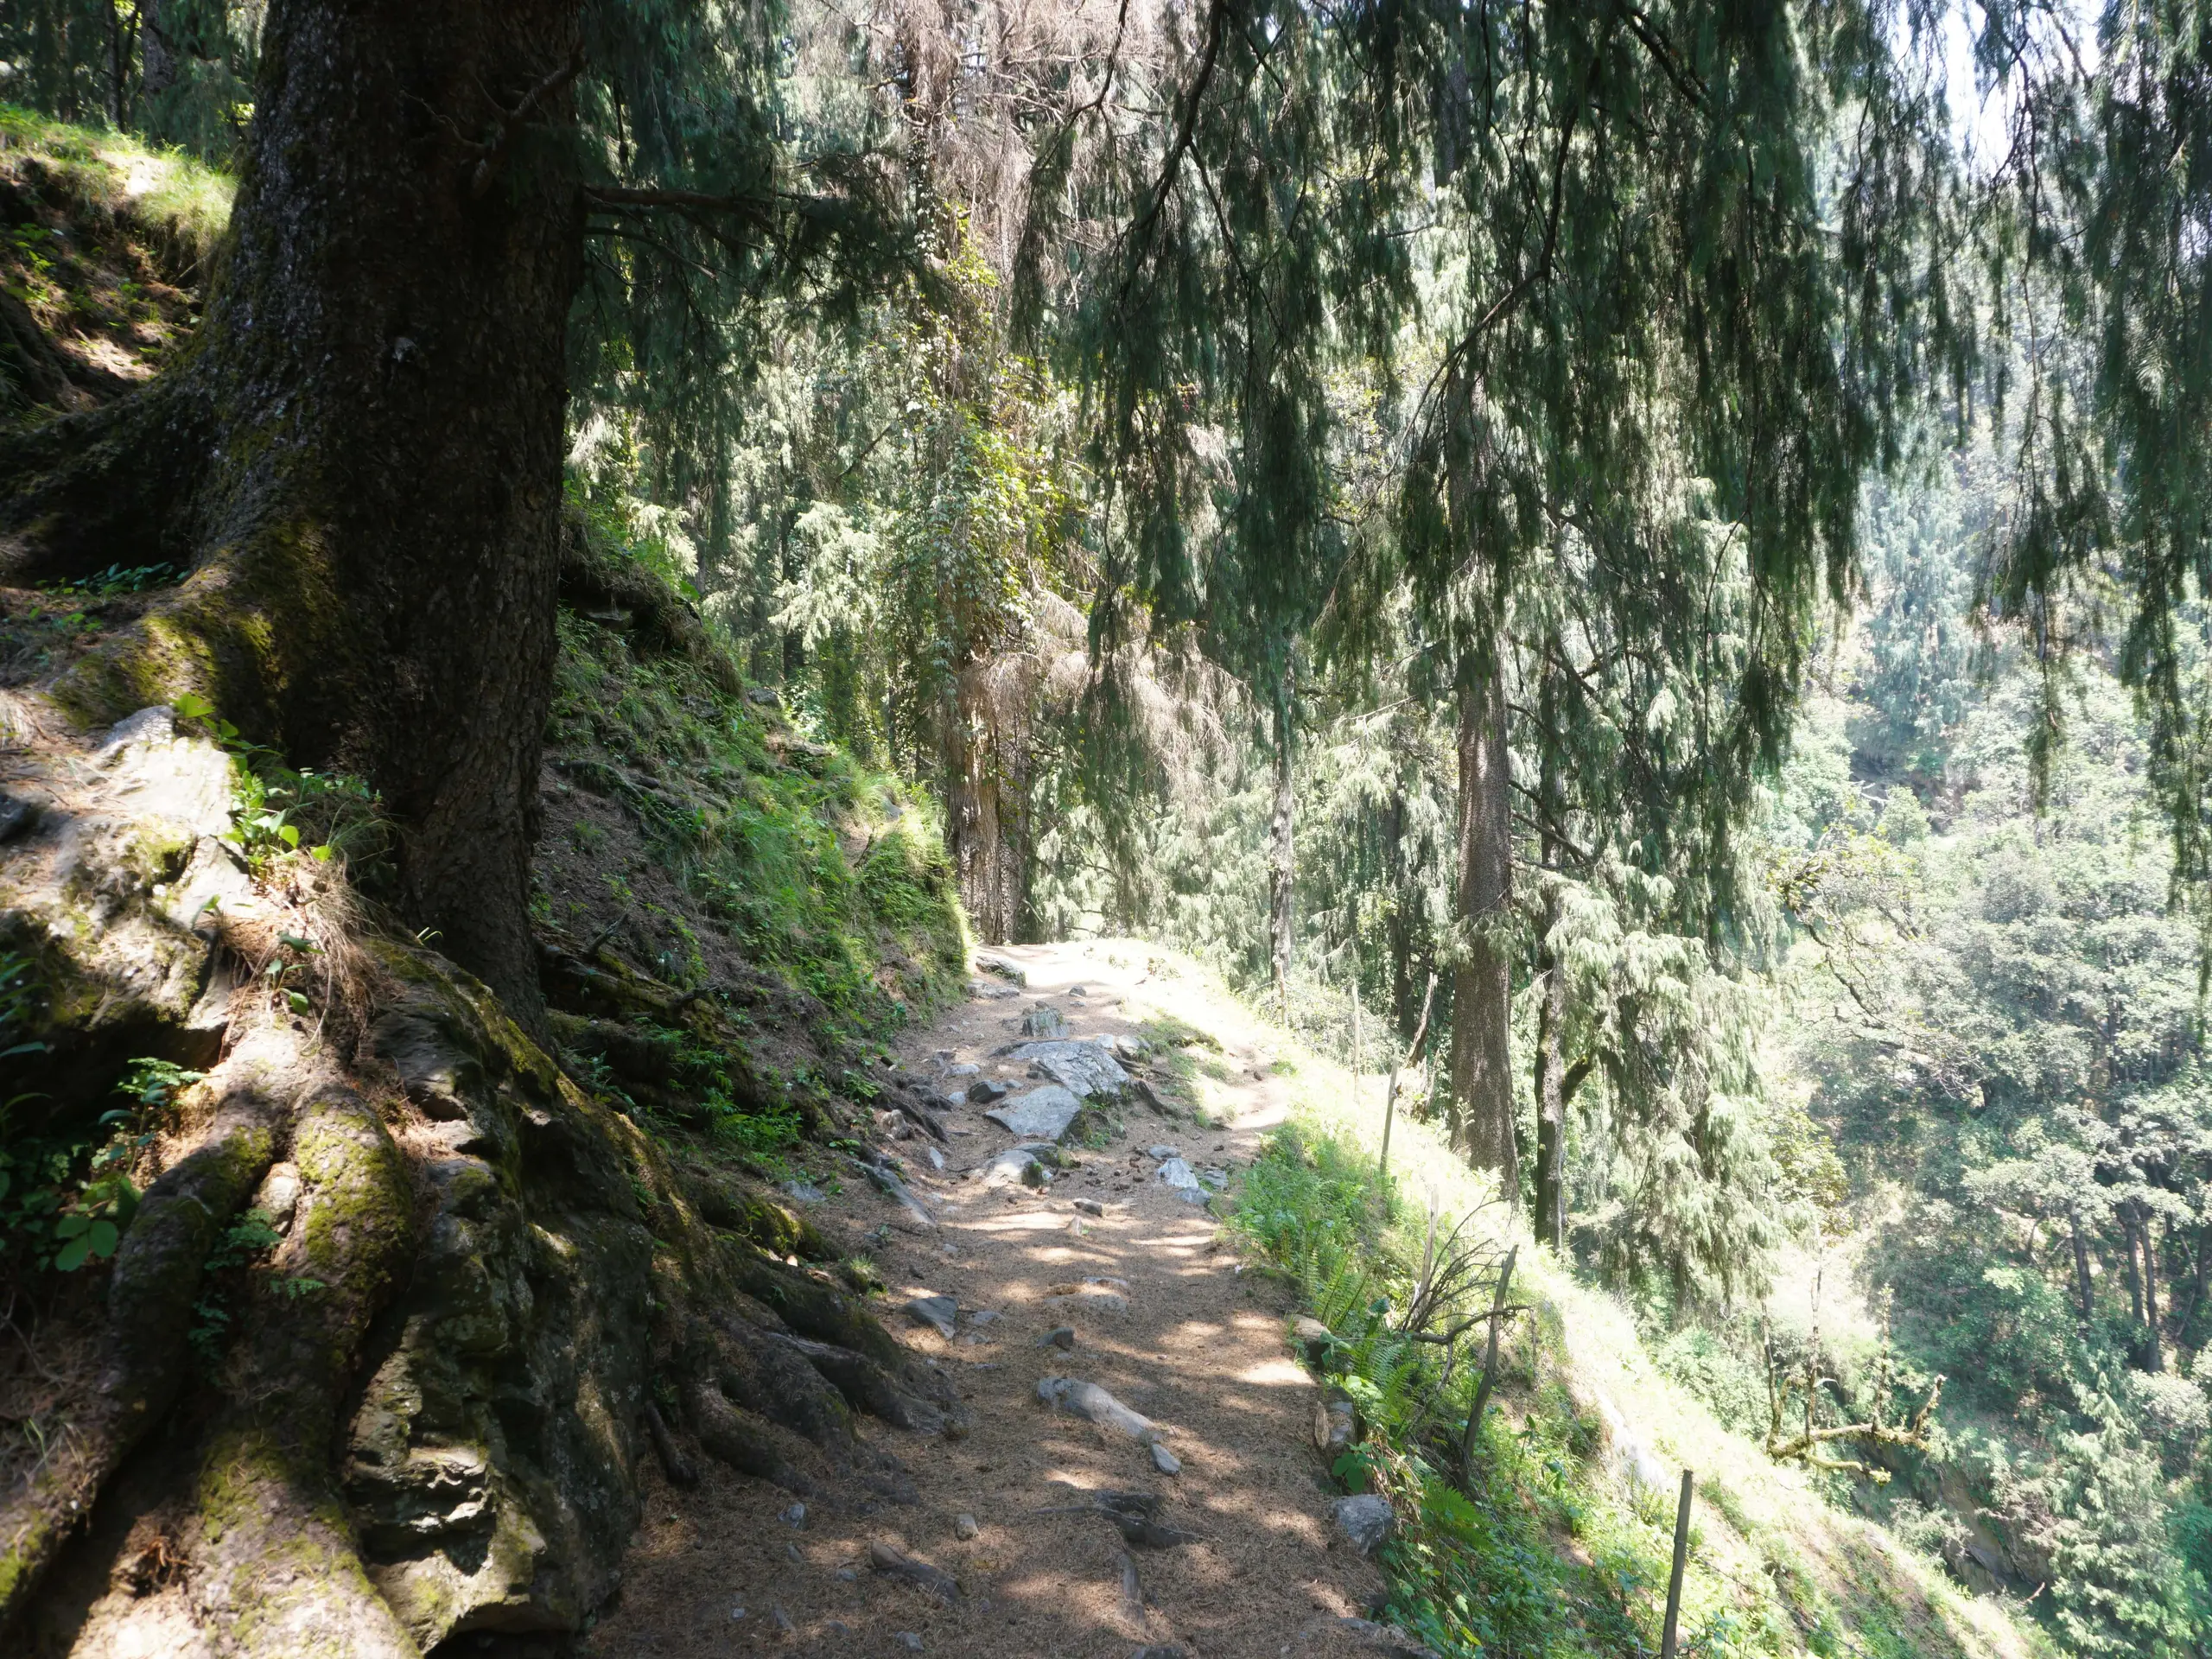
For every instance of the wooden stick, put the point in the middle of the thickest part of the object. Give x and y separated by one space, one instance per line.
1674 1578
1490 1375
1412 1051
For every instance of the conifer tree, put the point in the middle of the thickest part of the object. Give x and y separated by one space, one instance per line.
1613 224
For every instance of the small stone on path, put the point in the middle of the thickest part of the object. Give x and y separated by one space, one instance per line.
1043 1021
963 1526
1365 1521
989 1090
1060 1336
1162 1151
794 1516
1083 1069
1177 1174
939 1313
1091 1206
1089 1400
1044 1112
1165 1461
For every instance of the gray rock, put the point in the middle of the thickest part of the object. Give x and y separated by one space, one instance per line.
939 1313
1078 990
1043 1021
1083 1069
963 1526
1091 1206
805 1192
1161 1151
1044 1113
794 1516
1007 1168
989 992
988 1089
1333 1427
1215 1177
781 1620
1365 1521
1003 968
951 1100
965 1069
907 1640
1089 1400
1165 1461
1176 1172
1060 1336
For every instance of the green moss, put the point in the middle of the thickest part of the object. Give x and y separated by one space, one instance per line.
759 828
164 193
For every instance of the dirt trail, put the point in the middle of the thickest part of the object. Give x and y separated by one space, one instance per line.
1200 1349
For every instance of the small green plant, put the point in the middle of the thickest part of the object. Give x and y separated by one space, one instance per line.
248 1236
118 579
278 809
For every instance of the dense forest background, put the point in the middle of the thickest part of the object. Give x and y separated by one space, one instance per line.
1843 929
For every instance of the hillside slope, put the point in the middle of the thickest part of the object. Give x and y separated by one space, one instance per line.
345 1316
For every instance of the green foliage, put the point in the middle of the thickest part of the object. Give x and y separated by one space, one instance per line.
1538 1554
117 580
820 868
250 1236
66 1199
183 204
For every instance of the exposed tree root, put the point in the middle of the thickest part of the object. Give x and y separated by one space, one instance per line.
422 1409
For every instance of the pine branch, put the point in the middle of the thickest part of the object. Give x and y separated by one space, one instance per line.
493 153
1216 16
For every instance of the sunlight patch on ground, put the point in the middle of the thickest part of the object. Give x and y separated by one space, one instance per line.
1276 1374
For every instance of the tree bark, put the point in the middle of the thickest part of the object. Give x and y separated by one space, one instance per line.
1282 868
1551 1099
2127 1253
157 58
2196 1284
361 463
2154 1353
1482 1083
1551 1018
2082 1284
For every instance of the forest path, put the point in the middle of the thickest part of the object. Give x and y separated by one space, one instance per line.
1200 1349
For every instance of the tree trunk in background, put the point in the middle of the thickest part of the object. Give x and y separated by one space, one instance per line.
2196 1284
1551 1018
1551 1095
2081 1283
2154 1357
362 460
1482 1080
1281 859
986 802
157 58
2135 1275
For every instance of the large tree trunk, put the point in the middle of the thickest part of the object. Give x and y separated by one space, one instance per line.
1282 866
361 465
986 788
1482 1081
